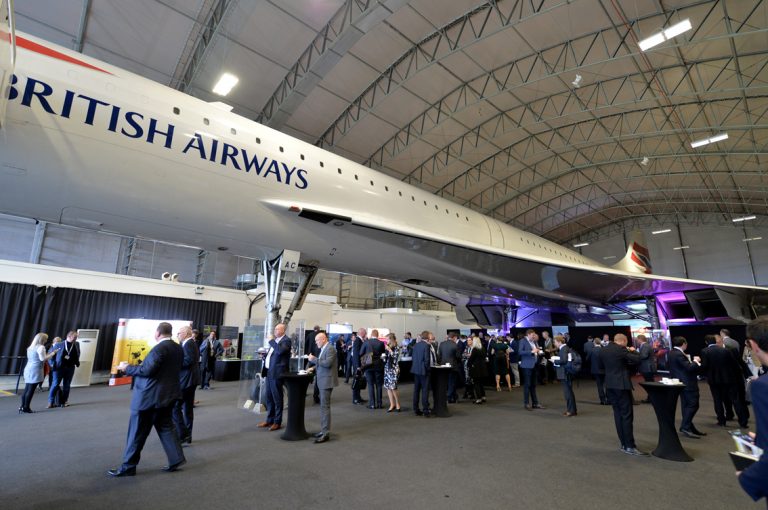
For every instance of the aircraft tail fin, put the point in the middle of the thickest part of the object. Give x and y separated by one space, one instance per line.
637 259
7 54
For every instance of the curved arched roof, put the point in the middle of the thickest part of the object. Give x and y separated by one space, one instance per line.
544 114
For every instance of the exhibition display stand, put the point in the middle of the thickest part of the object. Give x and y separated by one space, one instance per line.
440 390
297 392
664 399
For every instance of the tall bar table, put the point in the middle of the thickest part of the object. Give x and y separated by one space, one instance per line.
440 390
297 392
664 399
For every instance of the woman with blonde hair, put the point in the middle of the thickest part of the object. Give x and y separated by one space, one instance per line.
392 372
33 372
478 369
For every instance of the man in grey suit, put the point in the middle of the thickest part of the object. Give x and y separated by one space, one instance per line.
327 377
155 391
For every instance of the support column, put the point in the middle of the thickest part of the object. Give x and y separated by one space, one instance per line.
273 284
37 242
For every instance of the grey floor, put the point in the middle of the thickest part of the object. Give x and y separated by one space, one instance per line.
492 456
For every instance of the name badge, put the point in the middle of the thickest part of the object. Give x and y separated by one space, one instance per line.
66 357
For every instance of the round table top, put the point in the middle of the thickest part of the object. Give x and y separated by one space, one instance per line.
295 375
656 384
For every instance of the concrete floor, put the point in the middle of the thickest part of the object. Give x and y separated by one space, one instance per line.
492 456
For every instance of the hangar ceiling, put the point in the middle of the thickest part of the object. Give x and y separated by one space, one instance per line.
544 114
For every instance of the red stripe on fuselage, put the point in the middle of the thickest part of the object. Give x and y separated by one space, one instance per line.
48 52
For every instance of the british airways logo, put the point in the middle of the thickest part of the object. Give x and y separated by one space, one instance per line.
94 112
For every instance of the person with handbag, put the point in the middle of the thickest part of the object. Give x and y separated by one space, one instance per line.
373 368
478 369
358 380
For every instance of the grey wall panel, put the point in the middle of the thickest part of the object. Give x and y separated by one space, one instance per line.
758 250
79 249
16 236
716 254
665 260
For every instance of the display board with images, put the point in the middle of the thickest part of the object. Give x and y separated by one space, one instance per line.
136 337
229 338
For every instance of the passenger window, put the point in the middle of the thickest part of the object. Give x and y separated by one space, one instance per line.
339 171
301 156
321 164
176 111
356 177
281 149
258 140
233 131
206 121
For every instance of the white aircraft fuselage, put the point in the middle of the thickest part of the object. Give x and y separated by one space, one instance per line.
88 144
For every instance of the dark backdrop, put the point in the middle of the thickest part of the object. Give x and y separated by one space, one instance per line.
28 309
695 335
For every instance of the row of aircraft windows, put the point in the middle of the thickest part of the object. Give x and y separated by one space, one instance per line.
551 250
233 131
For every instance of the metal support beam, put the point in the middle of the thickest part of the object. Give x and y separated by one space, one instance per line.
37 242
198 44
202 258
749 255
306 275
682 251
80 38
128 247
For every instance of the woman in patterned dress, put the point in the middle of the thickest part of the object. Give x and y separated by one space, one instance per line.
392 372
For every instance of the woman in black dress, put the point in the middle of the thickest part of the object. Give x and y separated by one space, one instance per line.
478 369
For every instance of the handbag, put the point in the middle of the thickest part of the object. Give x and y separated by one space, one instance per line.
366 360
359 382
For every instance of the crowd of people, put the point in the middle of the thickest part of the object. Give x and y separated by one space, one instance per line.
166 380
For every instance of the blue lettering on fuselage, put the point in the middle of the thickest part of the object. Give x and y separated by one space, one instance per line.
94 112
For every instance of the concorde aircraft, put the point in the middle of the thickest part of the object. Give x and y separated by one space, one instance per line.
87 144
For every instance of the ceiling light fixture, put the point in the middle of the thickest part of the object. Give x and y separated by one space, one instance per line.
225 84
579 245
665 35
743 218
748 239
707 141
609 257
645 161
681 247
661 231
577 82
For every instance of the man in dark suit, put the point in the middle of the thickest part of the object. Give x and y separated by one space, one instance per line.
647 360
682 368
209 351
615 359
189 378
156 389
597 370
64 363
722 371
754 479
357 345
564 356
275 365
421 368
374 373
529 357
448 352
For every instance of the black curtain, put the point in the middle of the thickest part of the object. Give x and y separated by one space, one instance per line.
64 309
21 309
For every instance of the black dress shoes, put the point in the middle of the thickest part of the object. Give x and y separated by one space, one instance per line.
173 467
698 432
319 434
322 439
635 452
119 472
689 433
417 412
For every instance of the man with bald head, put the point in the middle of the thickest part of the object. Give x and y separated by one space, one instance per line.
275 365
327 377
189 378
616 359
